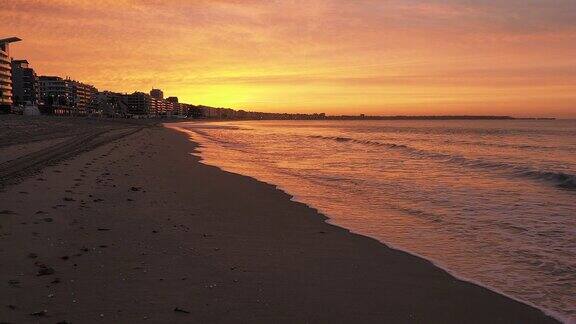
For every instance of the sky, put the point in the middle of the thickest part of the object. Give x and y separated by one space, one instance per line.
378 57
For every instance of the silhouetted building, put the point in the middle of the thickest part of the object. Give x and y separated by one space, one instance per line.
83 97
25 85
157 94
112 104
66 96
139 103
56 93
158 107
6 74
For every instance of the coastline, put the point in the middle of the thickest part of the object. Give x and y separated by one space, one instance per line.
141 229
334 222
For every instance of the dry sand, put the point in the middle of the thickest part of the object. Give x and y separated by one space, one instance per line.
137 230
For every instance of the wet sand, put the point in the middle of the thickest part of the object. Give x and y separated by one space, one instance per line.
135 229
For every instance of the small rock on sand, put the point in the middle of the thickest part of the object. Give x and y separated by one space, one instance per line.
41 313
180 310
45 271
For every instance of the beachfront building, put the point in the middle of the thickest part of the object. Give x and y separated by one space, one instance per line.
112 104
189 110
56 93
25 85
158 106
83 97
142 104
174 107
6 74
152 105
139 104
66 96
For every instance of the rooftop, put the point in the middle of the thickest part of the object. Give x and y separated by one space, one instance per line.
9 40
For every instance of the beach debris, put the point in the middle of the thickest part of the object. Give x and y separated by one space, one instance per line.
32 255
55 281
12 307
48 219
41 313
135 188
65 257
14 283
98 200
180 310
68 199
40 212
104 229
7 212
45 271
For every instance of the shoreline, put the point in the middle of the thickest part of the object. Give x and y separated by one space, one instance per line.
148 230
331 221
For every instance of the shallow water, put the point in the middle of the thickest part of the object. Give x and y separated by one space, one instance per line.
493 202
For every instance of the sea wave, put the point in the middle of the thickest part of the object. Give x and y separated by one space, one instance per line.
560 179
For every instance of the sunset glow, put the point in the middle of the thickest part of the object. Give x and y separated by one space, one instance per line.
384 57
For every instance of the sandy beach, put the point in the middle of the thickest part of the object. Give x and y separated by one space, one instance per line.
117 222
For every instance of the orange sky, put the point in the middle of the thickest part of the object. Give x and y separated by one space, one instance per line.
515 57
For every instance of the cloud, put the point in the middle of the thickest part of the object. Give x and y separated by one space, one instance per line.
319 47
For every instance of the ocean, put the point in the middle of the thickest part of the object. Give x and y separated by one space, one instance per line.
492 202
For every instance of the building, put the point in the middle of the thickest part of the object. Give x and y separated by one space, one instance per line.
83 97
66 96
112 104
25 85
139 104
189 110
56 93
174 108
6 74
157 94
